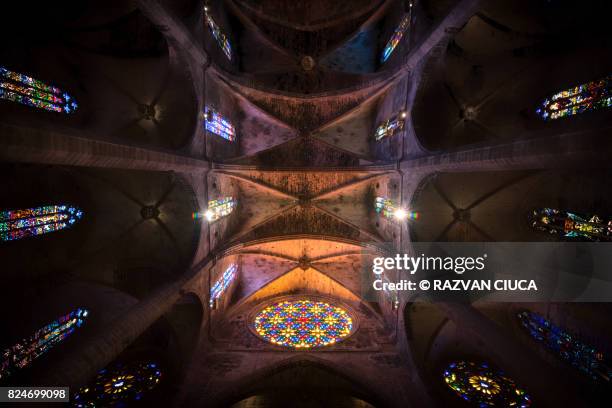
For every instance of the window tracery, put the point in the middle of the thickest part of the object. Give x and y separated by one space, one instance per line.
20 88
483 386
396 37
23 353
571 225
568 347
220 126
19 224
115 387
303 324
585 97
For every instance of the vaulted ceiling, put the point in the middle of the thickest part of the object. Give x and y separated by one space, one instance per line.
305 90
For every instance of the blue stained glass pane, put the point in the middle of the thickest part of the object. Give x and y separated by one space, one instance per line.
223 283
586 358
217 124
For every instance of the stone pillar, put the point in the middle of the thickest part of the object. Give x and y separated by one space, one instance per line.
41 145
87 360
522 363
418 389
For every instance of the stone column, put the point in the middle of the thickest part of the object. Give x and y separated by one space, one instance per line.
418 389
87 360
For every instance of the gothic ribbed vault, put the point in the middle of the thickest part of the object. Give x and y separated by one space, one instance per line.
305 90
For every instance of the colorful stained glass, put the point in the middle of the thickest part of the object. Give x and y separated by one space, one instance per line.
222 283
218 209
26 351
582 98
390 126
569 348
571 225
483 386
219 35
28 91
385 206
18 224
388 209
303 324
115 387
396 37
218 125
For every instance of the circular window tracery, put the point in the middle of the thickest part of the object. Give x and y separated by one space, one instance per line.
303 324
483 386
118 385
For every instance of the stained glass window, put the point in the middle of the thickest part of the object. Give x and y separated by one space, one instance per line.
483 386
388 209
17 224
571 225
28 91
219 35
44 339
116 386
303 324
218 125
384 206
222 283
586 358
582 98
219 208
390 126
396 37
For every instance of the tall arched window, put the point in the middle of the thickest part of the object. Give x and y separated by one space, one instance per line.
28 91
396 37
222 283
118 385
26 351
218 209
570 225
218 125
568 347
17 224
582 98
390 126
483 386
219 35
